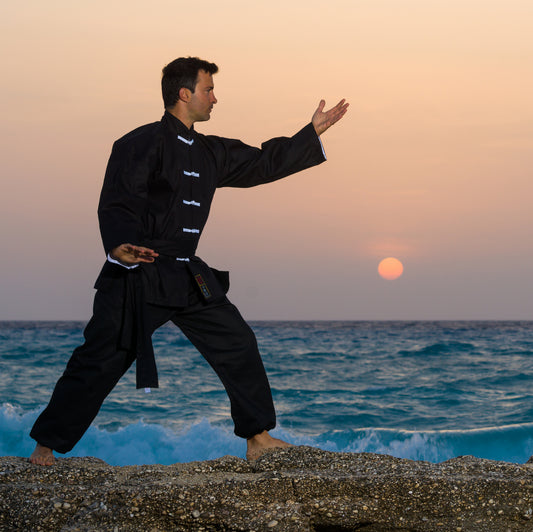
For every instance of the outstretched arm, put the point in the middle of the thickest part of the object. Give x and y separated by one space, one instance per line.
245 166
323 120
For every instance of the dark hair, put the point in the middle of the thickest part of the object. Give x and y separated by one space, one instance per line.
182 72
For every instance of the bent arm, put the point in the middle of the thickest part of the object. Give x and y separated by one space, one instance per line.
123 200
130 256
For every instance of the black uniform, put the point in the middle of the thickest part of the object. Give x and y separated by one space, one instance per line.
157 192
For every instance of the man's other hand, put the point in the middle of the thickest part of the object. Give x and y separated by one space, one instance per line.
322 120
129 254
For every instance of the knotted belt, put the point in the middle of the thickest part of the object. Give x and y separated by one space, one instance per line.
166 282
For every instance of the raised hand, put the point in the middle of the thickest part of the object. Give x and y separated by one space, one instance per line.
323 120
129 254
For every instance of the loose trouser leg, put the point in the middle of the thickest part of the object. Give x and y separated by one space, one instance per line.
91 373
229 345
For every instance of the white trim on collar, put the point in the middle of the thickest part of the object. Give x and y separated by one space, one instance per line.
189 142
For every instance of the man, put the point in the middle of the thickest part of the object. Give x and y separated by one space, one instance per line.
155 200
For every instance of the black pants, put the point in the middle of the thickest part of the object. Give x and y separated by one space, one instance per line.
216 329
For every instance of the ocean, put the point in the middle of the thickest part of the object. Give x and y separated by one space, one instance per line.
421 390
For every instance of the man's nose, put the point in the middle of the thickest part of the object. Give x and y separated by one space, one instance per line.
213 98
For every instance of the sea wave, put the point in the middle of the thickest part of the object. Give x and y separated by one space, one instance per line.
149 443
438 348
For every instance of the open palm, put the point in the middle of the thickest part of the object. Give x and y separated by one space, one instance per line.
323 120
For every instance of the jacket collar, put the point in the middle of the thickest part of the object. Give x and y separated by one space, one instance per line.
178 127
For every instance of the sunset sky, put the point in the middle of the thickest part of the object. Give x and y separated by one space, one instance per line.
432 164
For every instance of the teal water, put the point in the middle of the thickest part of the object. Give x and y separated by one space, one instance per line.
420 390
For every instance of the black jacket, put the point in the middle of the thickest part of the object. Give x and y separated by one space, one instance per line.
157 192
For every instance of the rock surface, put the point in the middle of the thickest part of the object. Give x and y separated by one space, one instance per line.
299 488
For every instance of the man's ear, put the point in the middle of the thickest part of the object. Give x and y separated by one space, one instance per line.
184 94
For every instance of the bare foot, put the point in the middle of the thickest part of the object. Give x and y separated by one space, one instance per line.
42 455
259 444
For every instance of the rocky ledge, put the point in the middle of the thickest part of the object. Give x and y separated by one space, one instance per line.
300 488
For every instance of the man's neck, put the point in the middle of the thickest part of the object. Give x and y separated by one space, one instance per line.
181 116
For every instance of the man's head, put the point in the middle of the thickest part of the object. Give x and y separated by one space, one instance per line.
181 79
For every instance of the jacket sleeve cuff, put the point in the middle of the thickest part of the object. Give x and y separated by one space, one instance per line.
322 146
112 260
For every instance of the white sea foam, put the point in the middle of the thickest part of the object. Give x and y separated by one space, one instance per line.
143 443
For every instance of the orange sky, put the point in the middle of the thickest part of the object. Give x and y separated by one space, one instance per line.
432 164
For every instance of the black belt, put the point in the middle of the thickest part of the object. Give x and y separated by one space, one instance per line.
133 336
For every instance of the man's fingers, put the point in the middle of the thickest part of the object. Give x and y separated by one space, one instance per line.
140 251
339 105
340 108
336 108
145 258
337 112
135 254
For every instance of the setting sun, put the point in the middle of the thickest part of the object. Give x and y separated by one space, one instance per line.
390 268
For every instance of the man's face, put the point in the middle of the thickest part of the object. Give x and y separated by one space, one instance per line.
202 99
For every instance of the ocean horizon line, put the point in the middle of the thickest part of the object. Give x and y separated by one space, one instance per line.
319 320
